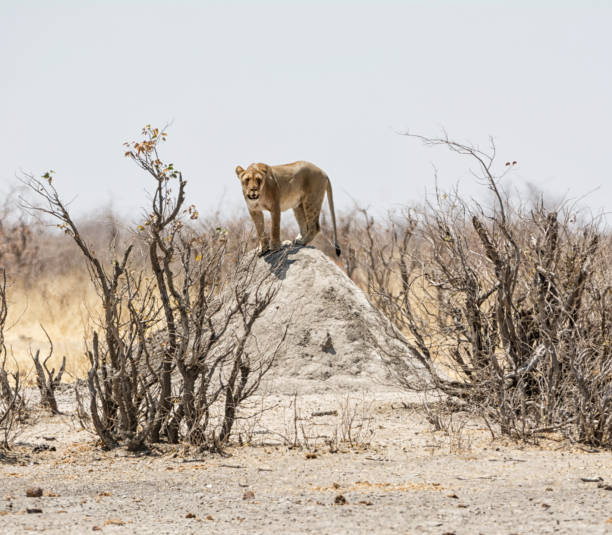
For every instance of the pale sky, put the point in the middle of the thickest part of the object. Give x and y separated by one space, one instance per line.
330 82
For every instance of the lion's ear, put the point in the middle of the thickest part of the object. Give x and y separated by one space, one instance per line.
239 171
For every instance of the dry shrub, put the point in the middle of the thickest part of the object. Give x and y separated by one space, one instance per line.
47 380
507 308
12 402
170 356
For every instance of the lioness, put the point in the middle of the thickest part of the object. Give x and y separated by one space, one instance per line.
276 188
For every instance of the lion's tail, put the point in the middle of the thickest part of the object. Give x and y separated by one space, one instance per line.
330 200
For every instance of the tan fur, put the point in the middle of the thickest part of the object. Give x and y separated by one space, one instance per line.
276 188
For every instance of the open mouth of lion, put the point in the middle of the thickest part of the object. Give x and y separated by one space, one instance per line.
253 196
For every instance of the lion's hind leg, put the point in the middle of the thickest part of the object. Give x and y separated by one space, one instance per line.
312 210
300 217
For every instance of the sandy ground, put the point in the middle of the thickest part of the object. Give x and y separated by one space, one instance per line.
399 476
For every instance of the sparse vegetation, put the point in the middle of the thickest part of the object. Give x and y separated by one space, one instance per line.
508 308
348 425
506 305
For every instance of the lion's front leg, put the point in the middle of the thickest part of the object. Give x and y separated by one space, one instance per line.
264 242
276 215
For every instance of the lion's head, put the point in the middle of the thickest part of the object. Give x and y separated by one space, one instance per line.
252 180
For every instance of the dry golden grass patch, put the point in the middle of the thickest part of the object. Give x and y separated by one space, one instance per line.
62 305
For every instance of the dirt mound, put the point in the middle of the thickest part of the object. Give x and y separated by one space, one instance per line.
335 334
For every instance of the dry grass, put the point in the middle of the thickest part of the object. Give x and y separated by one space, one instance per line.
62 305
